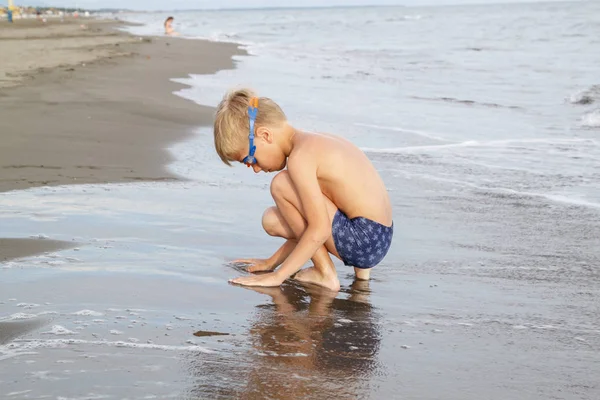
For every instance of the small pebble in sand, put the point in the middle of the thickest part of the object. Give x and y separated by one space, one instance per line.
405 346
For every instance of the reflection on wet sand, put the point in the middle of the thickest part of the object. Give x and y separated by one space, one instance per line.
305 344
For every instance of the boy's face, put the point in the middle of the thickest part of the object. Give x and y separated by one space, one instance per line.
268 155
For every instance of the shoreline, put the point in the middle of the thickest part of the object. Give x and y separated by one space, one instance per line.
95 105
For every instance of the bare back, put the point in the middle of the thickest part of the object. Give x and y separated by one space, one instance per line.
346 176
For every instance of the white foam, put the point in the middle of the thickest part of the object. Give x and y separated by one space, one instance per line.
18 316
90 313
33 344
591 120
475 143
17 393
274 354
55 263
8 265
545 327
586 96
429 135
59 331
569 200
28 305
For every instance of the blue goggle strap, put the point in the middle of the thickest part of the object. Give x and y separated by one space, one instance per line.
252 113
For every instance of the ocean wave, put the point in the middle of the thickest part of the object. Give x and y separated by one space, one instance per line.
18 316
503 192
33 344
587 96
476 143
467 102
222 37
415 17
429 135
591 119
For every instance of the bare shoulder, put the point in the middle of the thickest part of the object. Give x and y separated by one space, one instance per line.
305 150
320 147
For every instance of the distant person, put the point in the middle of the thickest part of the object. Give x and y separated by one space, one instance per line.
169 28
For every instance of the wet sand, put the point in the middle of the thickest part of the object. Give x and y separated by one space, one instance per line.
15 248
118 316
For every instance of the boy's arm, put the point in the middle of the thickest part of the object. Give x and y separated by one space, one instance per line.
282 253
269 264
303 173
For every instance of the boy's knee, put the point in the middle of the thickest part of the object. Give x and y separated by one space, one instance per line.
280 183
270 222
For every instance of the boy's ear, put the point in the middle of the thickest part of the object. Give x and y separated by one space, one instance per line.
265 134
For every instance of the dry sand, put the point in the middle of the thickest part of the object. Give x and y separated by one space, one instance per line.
81 102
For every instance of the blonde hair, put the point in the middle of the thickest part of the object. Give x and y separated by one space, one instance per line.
232 126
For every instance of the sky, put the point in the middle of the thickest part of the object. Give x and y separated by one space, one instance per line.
203 4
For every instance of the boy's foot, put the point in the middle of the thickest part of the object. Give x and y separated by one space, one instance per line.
363 274
313 275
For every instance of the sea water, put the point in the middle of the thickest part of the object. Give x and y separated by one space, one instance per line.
503 98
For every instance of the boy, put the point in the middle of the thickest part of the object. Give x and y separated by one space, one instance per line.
330 199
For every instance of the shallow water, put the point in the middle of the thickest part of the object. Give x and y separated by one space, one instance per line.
500 96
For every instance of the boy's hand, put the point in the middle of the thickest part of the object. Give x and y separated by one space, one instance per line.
256 264
270 279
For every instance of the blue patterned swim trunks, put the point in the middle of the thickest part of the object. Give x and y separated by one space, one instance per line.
361 242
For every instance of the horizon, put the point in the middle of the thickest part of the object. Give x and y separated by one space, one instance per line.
267 4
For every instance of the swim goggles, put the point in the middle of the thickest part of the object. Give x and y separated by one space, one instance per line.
252 113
